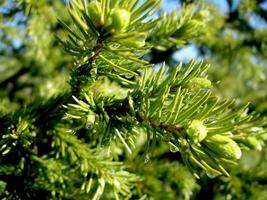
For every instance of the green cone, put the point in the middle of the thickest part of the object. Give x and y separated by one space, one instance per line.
120 20
200 82
197 131
224 147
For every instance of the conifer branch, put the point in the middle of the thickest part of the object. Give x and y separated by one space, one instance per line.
92 132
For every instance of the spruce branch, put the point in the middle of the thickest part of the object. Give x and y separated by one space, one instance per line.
192 117
117 97
111 125
176 103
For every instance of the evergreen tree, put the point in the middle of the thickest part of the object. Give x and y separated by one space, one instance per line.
114 117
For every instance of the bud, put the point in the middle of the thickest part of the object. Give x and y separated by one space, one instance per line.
120 20
197 131
200 82
252 143
95 13
136 41
224 147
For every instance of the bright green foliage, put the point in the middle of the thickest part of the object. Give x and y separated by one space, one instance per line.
197 131
94 10
97 123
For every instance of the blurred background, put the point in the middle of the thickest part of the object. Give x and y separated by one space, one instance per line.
232 38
